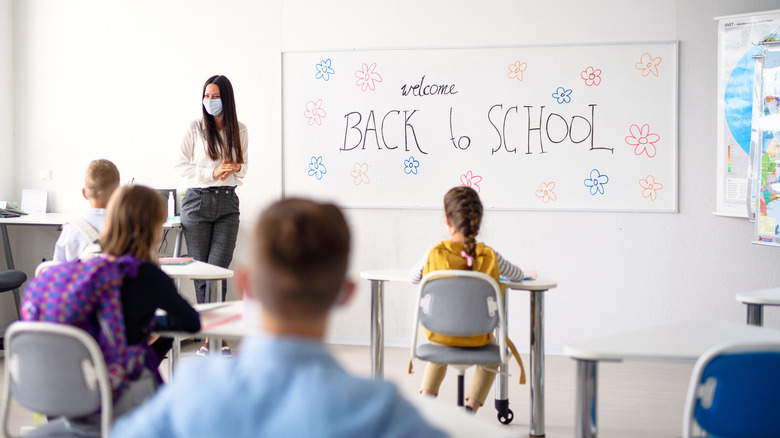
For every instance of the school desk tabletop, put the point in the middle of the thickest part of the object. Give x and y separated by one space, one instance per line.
756 300
536 288
682 341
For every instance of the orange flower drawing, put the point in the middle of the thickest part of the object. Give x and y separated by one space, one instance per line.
360 173
516 70
546 192
648 64
650 187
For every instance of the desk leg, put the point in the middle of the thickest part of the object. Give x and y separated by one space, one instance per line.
9 261
377 329
502 380
177 243
173 358
755 314
537 363
215 344
585 421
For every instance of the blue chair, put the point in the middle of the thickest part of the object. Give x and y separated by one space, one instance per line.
735 392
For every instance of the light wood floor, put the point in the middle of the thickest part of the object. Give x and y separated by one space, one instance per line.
635 399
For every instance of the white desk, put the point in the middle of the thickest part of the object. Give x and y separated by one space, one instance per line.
537 287
755 302
684 341
198 271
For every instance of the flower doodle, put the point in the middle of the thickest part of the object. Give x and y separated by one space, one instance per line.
562 95
367 77
470 180
642 140
516 70
592 76
360 174
316 168
411 165
648 64
324 70
596 182
546 192
650 187
314 112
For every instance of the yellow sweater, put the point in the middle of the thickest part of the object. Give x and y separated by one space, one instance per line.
446 255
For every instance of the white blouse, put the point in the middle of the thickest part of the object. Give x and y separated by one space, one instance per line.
194 164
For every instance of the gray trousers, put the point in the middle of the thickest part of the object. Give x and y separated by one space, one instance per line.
209 220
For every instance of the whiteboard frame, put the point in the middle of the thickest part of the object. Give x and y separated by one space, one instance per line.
676 79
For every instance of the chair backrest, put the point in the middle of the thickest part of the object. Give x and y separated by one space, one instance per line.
735 391
45 265
460 303
56 370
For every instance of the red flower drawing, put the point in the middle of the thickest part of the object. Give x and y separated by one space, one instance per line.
314 112
591 76
368 77
470 180
642 140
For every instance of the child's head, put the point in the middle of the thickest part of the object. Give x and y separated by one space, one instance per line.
464 214
100 181
300 255
134 220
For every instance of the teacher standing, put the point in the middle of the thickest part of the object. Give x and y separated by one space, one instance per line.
213 159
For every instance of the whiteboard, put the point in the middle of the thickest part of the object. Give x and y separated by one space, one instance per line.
587 127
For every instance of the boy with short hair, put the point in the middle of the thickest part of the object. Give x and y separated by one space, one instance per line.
284 382
100 181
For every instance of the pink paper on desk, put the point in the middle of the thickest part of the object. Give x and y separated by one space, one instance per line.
211 321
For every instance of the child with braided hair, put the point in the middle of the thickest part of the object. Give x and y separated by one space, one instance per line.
463 216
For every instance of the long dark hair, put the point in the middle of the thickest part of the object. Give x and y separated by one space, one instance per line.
216 149
464 210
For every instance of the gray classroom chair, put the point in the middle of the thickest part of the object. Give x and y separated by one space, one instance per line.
459 303
55 370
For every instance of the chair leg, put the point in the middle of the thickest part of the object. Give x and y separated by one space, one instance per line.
460 389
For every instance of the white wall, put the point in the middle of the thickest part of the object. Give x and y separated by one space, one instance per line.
6 105
121 79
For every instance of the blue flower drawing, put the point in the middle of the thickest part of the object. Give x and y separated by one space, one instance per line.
562 95
596 182
324 70
316 168
411 165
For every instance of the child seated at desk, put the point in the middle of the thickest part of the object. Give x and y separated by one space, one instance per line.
283 382
100 181
463 216
134 219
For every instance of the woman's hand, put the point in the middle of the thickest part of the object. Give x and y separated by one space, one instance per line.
225 169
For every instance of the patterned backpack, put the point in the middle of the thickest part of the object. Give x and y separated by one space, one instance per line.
86 294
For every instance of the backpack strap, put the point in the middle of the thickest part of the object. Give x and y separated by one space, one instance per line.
86 230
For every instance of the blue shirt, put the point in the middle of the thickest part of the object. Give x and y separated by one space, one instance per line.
274 387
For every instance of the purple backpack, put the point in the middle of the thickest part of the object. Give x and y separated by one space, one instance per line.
86 294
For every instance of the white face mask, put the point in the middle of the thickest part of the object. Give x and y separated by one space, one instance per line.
213 106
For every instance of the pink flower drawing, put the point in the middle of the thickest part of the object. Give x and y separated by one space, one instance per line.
516 70
642 140
314 112
546 193
470 180
648 64
367 77
650 187
360 174
592 76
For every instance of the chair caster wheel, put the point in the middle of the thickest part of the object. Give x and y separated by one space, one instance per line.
505 415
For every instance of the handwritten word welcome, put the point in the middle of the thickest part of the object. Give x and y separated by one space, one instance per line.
427 90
